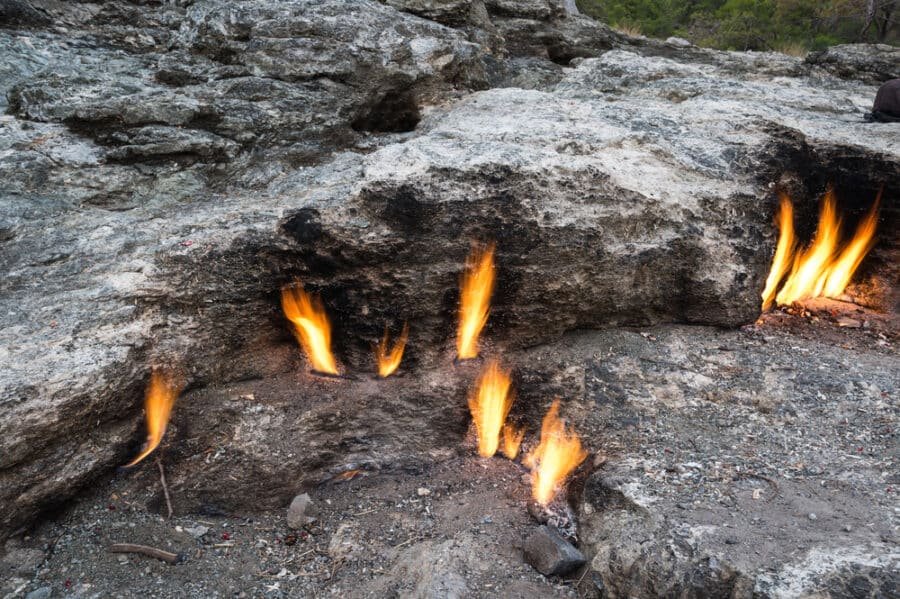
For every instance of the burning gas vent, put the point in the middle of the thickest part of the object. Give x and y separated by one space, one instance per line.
555 453
825 266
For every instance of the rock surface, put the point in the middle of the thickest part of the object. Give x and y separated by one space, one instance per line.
165 168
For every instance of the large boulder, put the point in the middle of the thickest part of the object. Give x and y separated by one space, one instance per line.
153 203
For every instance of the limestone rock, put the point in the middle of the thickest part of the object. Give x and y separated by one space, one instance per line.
166 167
871 63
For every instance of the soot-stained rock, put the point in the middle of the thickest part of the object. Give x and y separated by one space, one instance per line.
165 168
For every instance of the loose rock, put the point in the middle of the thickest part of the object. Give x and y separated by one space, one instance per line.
550 554
301 511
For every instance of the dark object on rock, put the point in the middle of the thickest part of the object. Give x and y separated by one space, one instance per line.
550 554
19 12
886 107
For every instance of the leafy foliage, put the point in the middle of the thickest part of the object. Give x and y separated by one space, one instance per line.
787 25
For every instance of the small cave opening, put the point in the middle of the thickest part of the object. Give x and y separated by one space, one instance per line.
839 200
395 112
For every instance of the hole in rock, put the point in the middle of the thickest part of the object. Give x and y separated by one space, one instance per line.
395 112
838 247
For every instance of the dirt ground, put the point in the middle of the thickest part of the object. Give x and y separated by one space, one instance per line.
451 530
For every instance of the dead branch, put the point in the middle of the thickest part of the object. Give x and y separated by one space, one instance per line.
172 558
165 487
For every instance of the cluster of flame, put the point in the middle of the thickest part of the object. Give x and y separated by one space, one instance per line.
557 454
824 268
559 451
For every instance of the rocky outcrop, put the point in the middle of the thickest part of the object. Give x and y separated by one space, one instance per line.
752 479
166 168
872 63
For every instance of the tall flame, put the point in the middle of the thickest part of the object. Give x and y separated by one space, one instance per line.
389 359
161 394
512 439
786 243
845 265
823 268
557 455
475 296
311 326
489 404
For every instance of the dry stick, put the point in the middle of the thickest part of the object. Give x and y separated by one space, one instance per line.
172 558
162 479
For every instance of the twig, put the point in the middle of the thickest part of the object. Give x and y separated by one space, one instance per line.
162 479
583 574
172 558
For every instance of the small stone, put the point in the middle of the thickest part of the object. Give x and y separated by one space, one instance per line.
550 554
678 42
847 528
301 511
41 593
850 323
123 559
812 516
196 531
422 492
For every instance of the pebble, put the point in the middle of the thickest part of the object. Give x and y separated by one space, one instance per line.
422 492
196 531
812 516
301 512
550 554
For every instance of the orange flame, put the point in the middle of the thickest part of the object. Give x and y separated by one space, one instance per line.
512 439
311 326
821 269
489 404
557 455
475 299
389 360
161 394
786 243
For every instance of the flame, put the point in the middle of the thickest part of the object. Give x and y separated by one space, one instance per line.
786 243
311 326
389 360
845 265
557 455
512 439
161 394
489 404
822 268
475 299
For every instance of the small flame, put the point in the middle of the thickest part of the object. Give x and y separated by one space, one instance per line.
557 455
822 268
489 404
512 439
389 359
161 394
311 326
475 299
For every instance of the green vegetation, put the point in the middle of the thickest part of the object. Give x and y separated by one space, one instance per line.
791 26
